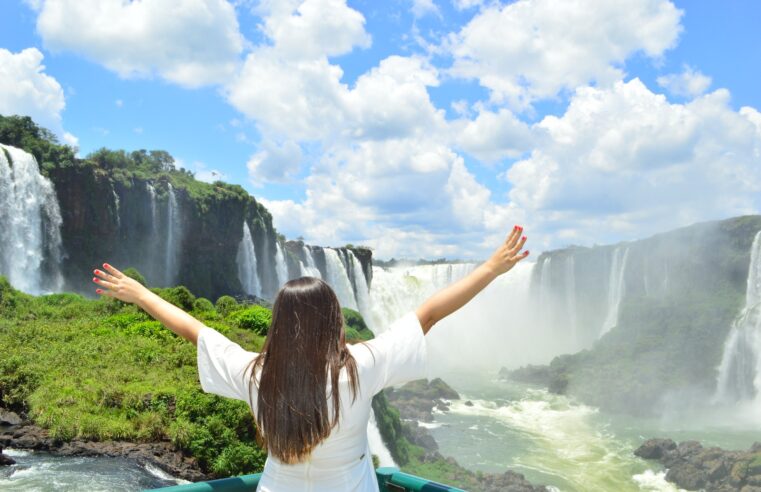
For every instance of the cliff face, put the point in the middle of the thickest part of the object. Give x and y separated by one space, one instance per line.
650 317
173 234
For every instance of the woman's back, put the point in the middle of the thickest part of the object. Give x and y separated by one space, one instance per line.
342 461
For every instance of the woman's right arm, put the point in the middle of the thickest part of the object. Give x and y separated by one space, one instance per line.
452 298
129 290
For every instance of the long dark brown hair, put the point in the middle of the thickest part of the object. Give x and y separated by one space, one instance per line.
305 345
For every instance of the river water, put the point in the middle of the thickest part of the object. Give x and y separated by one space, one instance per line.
43 472
555 441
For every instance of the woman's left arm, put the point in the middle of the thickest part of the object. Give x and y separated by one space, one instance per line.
124 288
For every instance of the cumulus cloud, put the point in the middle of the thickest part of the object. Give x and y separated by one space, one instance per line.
689 83
492 136
421 8
188 42
314 28
624 162
25 89
534 49
274 163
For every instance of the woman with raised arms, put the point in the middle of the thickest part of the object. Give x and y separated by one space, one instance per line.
310 392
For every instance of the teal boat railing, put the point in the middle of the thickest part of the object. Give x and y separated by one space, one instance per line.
389 480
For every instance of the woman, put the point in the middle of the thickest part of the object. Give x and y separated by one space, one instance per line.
310 393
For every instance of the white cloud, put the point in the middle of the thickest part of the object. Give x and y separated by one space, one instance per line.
119 103
467 4
188 42
534 49
689 83
421 8
624 162
201 171
314 28
493 136
275 163
25 89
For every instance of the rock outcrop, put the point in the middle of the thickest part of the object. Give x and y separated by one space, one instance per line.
693 467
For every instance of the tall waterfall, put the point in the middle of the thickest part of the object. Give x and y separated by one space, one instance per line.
495 329
338 278
281 268
30 224
310 268
740 369
570 300
615 288
173 238
246 260
361 291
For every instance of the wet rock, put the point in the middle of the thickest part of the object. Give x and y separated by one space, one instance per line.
160 454
9 418
693 467
4 459
654 449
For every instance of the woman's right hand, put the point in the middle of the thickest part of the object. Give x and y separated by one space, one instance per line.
509 253
118 285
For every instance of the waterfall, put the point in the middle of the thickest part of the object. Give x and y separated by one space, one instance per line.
375 443
154 210
246 260
495 329
117 210
615 288
570 300
310 268
281 268
173 238
740 369
339 279
30 224
361 291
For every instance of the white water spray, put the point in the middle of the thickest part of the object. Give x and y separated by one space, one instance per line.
281 268
339 279
30 224
173 239
247 268
361 291
310 268
615 288
740 369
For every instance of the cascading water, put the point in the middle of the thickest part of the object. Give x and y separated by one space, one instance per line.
246 260
173 238
310 268
281 268
30 224
117 208
740 369
361 291
570 300
615 288
339 279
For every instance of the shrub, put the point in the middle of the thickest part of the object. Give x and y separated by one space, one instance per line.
227 305
356 328
202 305
180 296
150 329
254 318
133 273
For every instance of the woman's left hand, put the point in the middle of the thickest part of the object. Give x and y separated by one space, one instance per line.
509 253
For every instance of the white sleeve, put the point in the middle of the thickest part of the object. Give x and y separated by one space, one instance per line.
222 365
399 353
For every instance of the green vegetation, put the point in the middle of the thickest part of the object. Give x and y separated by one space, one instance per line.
100 369
355 328
22 132
254 318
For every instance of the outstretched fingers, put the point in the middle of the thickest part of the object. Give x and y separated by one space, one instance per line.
517 246
113 271
514 236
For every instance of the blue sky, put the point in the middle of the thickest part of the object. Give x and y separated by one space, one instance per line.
420 128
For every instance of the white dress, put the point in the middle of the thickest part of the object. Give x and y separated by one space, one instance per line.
342 462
